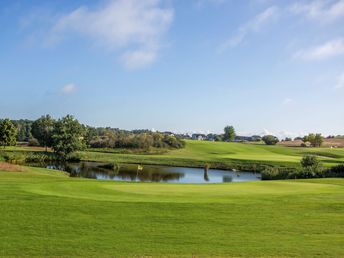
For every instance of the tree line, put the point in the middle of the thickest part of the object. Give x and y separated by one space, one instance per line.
67 135
312 139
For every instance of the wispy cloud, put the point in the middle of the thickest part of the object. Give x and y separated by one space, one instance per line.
320 10
134 27
287 101
329 49
252 26
340 82
68 89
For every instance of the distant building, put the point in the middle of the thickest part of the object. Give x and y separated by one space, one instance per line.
253 138
199 137
169 133
242 138
256 138
183 136
211 137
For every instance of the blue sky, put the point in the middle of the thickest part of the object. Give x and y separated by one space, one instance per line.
262 66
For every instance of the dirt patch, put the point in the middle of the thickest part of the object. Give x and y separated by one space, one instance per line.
11 167
333 142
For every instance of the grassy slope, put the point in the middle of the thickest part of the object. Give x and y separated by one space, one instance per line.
45 213
217 154
222 154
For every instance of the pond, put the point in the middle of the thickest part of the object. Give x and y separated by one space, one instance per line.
151 173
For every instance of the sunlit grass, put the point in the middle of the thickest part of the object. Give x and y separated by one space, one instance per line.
44 213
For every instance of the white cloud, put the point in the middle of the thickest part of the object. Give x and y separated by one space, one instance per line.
68 89
281 134
139 58
134 27
329 49
340 82
254 25
320 10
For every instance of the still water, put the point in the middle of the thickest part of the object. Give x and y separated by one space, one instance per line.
150 173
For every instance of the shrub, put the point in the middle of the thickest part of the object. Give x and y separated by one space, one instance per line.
310 161
275 173
13 157
73 157
36 157
33 142
337 171
270 140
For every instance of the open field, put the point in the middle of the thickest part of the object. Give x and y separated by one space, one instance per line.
45 213
217 154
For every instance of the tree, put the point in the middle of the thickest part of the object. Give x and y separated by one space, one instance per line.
42 130
68 136
90 134
8 133
309 161
311 167
316 140
23 127
270 140
229 133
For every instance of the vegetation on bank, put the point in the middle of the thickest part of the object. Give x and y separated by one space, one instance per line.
66 136
311 167
222 155
45 213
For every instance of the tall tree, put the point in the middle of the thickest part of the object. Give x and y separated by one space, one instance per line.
270 140
42 130
8 133
316 140
229 133
68 136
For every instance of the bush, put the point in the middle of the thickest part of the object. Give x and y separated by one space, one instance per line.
270 140
33 142
310 161
74 157
145 140
337 171
275 173
308 172
39 157
13 157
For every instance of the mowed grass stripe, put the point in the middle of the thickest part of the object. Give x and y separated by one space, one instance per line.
45 213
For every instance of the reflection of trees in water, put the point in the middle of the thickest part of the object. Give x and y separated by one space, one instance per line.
127 173
206 176
147 174
227 179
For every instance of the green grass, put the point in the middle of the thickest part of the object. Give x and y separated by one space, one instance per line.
225 155
47 214
217 154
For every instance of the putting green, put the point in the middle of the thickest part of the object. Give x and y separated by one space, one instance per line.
46 213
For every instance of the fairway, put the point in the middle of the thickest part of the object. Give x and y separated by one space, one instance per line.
223 155
46 213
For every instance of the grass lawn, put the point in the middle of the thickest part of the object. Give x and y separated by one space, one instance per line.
223 154
45 213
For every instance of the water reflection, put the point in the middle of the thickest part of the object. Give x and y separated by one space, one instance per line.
135 173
